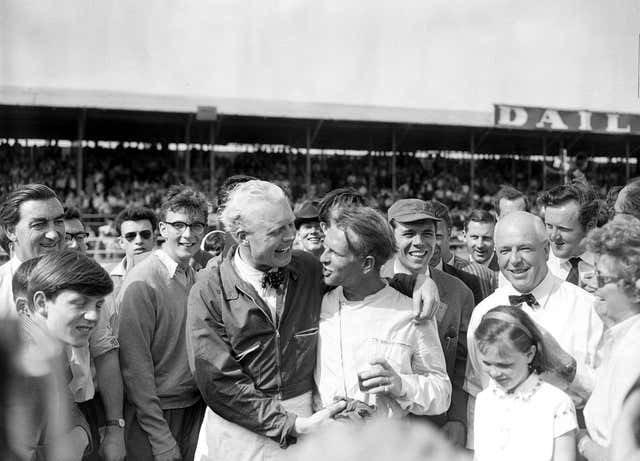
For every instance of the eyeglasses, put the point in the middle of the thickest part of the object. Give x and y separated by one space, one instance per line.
78 237
602 280
196 227
144 235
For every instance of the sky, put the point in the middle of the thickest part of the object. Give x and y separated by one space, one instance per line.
428 54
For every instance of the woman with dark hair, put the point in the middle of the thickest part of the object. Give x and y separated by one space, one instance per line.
519 416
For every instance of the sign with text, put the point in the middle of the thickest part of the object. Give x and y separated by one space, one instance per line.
538 118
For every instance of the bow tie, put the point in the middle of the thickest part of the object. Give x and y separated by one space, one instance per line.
528 298
273 279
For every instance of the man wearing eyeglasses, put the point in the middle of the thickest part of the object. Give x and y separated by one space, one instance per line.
164 409
75 235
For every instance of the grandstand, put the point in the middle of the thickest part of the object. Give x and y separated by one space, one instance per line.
103 130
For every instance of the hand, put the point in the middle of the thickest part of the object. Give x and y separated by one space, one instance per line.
426 299
171 455
112 448
456 433
306 425
381 378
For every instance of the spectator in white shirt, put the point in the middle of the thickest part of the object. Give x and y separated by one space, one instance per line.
570 212
369 349
617 246
564 312
32 224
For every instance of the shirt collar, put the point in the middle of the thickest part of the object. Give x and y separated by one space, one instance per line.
588 257
120 270
451 260
246 270
14 263
398 268
168 262
618 330
524 391
543 290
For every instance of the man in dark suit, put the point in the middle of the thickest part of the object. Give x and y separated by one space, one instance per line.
442 257
414 228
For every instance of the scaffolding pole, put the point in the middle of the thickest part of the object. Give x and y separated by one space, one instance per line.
472 167
394 184
212 158
627 164
82 124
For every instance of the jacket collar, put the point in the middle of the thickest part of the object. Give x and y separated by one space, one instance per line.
231 281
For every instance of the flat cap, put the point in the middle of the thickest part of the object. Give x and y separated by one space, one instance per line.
410 210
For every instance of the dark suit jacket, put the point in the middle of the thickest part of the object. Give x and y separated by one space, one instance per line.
452 330
470 280
488 278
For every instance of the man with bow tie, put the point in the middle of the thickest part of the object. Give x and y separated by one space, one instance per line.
565 313
252 332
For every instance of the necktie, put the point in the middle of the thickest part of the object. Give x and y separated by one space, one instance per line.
273 279
574 275
528 298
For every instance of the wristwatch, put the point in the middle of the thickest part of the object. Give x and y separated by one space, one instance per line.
115 422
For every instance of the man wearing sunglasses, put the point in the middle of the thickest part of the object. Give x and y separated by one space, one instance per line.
136 228
164 409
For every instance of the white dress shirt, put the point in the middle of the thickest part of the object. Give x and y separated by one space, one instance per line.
7 305
254 277
523 424
618 371
566 312
353 333
561 267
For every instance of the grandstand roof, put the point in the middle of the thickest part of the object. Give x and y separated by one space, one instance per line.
51 114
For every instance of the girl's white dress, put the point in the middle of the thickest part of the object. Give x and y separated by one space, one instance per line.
522 424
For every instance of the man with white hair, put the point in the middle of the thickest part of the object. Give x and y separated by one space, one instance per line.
252 329
564 312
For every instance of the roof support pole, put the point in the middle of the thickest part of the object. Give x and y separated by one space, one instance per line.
394 179
544 163
308 159
472 167
564 159
82 123
627 152
187 140
212 158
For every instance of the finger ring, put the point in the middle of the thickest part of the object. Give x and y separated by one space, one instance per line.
386 389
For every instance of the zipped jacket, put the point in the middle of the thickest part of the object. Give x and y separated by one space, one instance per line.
243 361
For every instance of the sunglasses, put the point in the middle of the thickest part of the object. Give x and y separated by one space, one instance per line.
144 235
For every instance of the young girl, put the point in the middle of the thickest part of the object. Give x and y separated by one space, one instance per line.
519 416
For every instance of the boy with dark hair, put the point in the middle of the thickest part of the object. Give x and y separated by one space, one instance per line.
59 296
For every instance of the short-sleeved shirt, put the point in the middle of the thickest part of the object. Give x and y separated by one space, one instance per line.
522 424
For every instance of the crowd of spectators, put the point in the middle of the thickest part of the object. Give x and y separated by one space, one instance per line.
123 175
